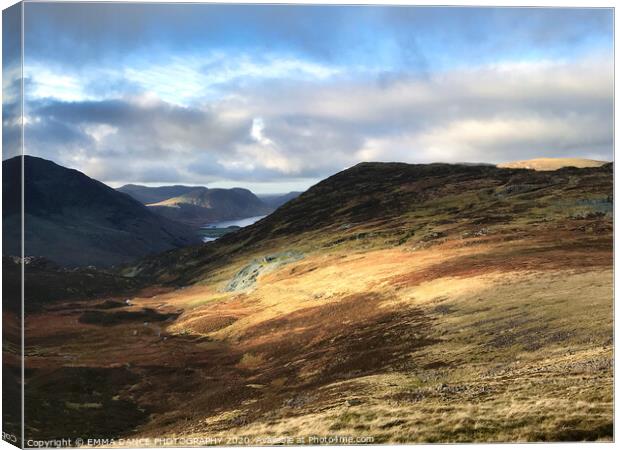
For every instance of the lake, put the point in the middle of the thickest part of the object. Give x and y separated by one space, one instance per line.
214 230
234 223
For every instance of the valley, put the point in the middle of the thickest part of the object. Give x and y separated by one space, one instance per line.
390 303
210 232
199 206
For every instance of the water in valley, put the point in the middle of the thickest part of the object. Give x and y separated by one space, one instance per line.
212 231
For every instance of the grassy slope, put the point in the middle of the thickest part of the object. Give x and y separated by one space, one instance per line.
552 163
434 303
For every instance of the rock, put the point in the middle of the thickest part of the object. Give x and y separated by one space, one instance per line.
297 402
475 233
247 276
433 236
514 189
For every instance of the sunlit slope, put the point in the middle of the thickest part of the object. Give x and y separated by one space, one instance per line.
552 163
393 302
388 205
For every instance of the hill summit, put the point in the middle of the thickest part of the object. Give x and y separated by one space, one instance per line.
544 164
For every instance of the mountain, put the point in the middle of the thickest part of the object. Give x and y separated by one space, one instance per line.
543 164
390 203
276 200
197 205
397 302
202 205
147 194
72 219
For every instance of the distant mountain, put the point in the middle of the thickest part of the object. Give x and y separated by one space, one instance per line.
203 205
75 220
544 164
146 194
277 200
197 205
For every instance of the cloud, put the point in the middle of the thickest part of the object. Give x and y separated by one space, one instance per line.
11 113
96 34
129 139
11 82
489 113
180 80
277 94
278 130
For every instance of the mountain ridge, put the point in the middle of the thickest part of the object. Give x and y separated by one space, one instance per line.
73 219
148 194
197 205
202 205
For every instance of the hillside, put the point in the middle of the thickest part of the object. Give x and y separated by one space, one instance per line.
72 219
201 205
148 194
551 163
387 204
394 302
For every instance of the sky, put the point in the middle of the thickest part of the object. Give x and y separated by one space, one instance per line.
276 98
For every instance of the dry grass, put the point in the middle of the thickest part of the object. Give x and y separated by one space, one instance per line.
520 357
551 163
503 336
